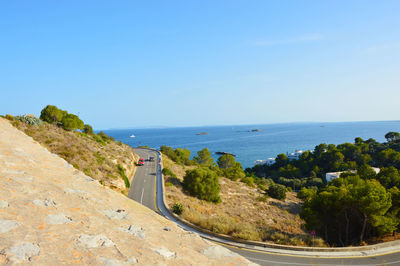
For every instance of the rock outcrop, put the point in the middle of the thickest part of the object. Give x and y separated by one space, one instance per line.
52 214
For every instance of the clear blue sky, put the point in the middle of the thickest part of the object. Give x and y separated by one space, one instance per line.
132 63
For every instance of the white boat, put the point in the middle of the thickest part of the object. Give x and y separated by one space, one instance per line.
132 136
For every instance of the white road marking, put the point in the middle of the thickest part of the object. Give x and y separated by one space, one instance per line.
141 198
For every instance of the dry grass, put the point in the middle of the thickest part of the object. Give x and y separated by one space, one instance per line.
98 160
245 212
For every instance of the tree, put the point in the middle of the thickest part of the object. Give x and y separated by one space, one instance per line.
392 136
183 155
348 210
277 191
226 161
320 149
389 177
358 141
203 184
52 114
72 122
88 129
235 172
281 160
204 158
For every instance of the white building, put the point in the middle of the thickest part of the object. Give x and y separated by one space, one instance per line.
377 170
269 161
260 162
295 155
332 175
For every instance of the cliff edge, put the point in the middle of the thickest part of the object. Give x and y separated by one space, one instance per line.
51 213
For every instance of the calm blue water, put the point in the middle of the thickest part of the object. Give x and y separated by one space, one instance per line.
251 146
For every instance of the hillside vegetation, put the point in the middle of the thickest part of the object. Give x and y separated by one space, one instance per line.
97 155
245 211
359 207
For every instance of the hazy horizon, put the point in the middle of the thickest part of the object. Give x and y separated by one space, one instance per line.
243 125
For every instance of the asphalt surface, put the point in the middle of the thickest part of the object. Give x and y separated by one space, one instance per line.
143 185
147 189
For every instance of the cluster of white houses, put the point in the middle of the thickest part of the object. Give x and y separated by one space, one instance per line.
296 155
291 156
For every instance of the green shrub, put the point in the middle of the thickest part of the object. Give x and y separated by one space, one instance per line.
203 184
30 120
71 122
99 139
167 172
177 208
262 198
105 137
52 114
9 117
248 181
277 191
307 193
87 172
121 172
88 129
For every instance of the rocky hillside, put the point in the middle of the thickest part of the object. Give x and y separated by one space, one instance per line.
52 214
97 155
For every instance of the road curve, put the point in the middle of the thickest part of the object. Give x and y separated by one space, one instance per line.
147 189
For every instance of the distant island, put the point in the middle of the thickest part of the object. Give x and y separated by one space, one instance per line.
202 133
223 153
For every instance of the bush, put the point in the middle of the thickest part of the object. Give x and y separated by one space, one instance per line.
177 208
307 193
88 129
71 122
9 117
167 172
105 137
248 180
30 120
121 172
262 198
203 184
52 114
277 191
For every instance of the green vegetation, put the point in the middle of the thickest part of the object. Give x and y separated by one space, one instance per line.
180 156
121 172
51 114
28 119
87 129
277 191
311 167
349 210
97 155
230 168
358 206
204 158
177 208
203 184
167 172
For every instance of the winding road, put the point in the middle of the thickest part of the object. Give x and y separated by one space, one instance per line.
147 189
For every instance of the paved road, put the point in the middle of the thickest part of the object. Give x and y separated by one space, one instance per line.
143 185
147 189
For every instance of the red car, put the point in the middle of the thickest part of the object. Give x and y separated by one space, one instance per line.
140 162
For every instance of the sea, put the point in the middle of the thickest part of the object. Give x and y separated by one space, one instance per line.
255 142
